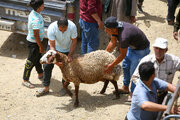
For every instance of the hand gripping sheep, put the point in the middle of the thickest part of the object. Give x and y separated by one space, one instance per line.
88 68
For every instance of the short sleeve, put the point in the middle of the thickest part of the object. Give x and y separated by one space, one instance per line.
73 31
51 32
160 84
36 24
140 97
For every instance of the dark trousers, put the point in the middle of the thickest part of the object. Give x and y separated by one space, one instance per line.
48 71
140 1
172 5
32 60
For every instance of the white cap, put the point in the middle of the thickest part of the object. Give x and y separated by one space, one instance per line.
161 43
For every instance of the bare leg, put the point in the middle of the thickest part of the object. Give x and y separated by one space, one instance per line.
76 103
116 89
104 87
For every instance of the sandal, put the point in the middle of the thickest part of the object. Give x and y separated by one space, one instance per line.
28 84
41 92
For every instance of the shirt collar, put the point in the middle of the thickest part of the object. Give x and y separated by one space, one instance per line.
35 12
154 59
144 86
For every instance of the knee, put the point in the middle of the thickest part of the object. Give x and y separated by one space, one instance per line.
29 65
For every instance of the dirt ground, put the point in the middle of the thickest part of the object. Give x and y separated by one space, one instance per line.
20 103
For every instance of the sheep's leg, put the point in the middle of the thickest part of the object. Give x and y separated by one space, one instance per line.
66 88
76 103
104 87
116 89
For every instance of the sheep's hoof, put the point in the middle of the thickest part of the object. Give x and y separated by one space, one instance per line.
102 92
76 104
117 97
70 93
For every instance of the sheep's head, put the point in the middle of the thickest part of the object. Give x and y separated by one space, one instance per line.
49 57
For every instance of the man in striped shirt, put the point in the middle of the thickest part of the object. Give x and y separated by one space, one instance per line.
165 64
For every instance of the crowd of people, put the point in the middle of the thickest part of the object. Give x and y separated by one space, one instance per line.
151 76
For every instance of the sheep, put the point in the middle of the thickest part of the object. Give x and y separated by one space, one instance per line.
88 68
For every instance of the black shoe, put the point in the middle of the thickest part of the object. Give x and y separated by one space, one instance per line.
140 8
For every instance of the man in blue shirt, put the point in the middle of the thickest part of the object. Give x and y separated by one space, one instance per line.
144 101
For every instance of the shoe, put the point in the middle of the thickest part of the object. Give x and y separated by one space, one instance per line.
140 8
28 84
63 92
41 92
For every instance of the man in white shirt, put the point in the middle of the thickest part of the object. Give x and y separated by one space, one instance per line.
165 64
62 35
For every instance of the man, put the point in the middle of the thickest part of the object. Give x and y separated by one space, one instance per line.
62 35
124 10
165 64
34 40
172 5
133 46
90 21
176 26
139 5
144 101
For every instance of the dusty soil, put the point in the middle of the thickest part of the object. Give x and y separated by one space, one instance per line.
20 103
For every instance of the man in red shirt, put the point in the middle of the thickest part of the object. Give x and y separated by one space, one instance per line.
90 23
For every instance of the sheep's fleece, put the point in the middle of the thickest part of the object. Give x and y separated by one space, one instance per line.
89 68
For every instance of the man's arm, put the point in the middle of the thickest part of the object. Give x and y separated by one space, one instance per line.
38 41
171 88
52 45
154 107
122 55
98 20
111 44
133 11
73 46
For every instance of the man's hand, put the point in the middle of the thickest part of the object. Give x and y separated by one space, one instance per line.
175 110
100 24
175 35
108 68
41 50
60 64
69 58
132 19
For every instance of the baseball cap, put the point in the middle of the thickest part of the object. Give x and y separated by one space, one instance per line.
111 22
161 43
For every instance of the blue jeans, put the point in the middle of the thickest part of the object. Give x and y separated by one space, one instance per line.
90 36
130 63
